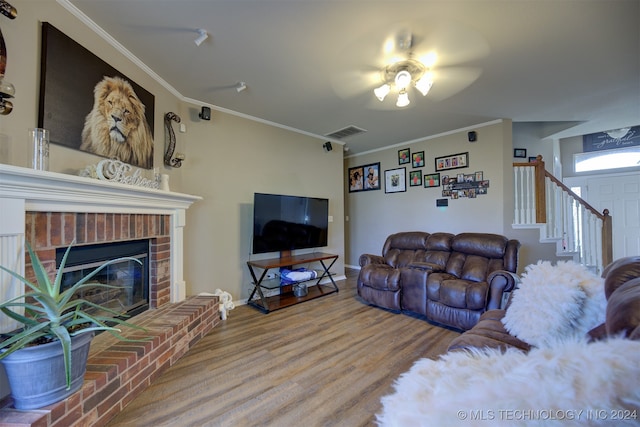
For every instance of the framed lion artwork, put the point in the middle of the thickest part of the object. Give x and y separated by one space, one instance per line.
88 105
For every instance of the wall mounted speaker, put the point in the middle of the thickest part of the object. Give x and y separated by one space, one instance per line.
327 146
205 114
473 136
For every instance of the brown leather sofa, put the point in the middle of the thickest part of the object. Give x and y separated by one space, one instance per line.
622 290
448 279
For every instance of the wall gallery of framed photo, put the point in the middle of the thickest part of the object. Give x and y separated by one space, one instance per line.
454 185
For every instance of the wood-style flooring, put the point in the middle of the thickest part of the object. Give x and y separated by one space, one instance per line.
326 362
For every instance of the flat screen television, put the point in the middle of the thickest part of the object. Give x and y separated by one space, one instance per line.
285 223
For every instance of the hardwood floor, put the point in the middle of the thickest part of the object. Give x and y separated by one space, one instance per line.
326 362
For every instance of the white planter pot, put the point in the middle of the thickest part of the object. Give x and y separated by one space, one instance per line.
36 374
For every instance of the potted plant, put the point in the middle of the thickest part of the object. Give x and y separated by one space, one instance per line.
56 331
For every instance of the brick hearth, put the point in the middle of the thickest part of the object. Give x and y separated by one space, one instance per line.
50 210
118 371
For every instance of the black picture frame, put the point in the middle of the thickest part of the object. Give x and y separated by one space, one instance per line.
404 156
364 178
452 161
355 180
69 74
417 159
520 153
432 180
415 178
395 180
371 176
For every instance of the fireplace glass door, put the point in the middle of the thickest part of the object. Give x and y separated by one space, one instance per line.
128 281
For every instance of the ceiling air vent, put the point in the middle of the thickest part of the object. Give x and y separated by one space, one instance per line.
346 132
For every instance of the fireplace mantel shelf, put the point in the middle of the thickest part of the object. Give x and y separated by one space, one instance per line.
58 192
25 190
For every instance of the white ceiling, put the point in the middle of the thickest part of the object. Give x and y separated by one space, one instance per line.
311 65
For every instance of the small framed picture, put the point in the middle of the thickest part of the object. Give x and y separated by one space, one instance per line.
395 180
371 176
520 152
453 161
533 159
356 179
404 156
479 176
417 159
432 180
415 178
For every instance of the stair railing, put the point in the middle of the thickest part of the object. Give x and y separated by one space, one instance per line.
579 230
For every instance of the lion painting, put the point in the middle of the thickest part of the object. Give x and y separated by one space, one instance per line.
116 127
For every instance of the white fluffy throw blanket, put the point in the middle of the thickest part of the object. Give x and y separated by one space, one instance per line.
574 384
555 303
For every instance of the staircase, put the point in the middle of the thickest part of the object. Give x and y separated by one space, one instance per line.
578 230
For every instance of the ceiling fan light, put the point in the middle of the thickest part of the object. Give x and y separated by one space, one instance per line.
403 99
382 91
424 84
403 79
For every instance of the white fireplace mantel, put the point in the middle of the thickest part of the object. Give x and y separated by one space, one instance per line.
26 190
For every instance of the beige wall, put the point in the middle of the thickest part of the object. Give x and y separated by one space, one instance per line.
228 158
233 158
373 215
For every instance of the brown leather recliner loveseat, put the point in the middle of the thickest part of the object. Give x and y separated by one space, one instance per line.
449 279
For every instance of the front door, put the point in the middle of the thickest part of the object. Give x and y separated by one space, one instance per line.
620 193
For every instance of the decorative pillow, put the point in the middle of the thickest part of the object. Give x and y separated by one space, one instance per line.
553 303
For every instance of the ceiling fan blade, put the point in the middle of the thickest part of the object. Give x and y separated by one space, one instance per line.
452 43
348 84
448 81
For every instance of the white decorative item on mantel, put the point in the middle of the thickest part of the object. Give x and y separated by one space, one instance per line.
116 171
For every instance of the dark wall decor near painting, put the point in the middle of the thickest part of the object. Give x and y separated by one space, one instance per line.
395 180
88 105
452 161
464 185
364 178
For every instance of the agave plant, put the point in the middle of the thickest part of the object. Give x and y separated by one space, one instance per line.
51 315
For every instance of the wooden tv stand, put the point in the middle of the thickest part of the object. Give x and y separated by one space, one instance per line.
285 296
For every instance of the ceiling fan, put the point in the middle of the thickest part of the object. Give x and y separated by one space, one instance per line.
411 66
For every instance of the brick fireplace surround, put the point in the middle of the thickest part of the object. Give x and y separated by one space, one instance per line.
51 210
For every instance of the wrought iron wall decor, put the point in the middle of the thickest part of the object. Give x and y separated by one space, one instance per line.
169 159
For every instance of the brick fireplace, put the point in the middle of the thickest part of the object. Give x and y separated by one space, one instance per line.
51 210
48 231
